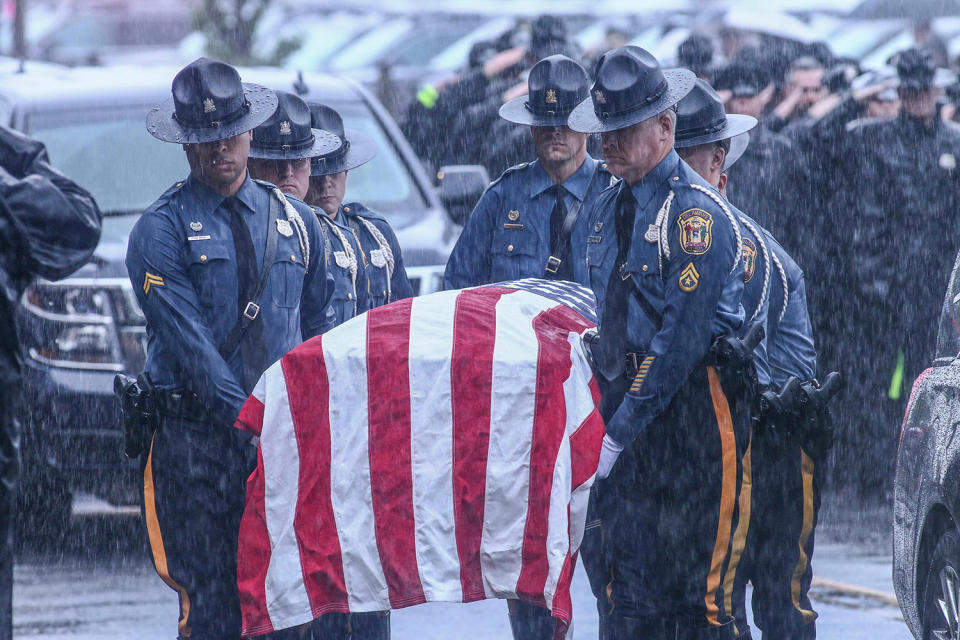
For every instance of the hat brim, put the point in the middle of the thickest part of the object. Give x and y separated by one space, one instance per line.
163 126
738 146
516 111
585 120
362 150
736 124
323 142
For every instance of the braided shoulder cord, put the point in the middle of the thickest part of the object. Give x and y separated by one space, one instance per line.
786 288
384 249
294 217
663 247
352 265
766 263
733 221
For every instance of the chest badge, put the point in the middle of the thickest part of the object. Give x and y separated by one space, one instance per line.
696 233
377 259
653 234
749 259
196 226
514 215
597 227
948 162
284 228
341 258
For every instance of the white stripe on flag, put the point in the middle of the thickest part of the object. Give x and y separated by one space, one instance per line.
513 400
286 594
351 493
431 417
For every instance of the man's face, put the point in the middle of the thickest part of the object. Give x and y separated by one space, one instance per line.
222 163
557 144
706 160
632 152
920 104
327 192
883 108
292 176
809 84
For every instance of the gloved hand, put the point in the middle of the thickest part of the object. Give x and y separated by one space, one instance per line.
609 452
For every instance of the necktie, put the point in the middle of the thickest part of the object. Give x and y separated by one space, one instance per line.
253 349
560 247
610 353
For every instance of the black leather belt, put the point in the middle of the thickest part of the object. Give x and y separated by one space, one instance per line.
181 404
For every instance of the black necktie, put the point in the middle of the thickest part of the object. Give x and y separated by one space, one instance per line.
560 247
610 353
253 349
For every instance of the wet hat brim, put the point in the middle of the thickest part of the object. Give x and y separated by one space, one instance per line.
324 142
738 146
516 111
361 151
162 124
585 120
736 124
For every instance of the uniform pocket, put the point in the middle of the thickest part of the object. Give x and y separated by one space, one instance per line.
213 274
286 281
514 255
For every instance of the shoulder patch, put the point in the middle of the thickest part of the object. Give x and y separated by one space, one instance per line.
749 259
689 278
696 231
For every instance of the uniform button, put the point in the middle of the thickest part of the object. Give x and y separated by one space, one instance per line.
293 258
644 267
346 209
604 165
349 296
384 293
203 258
676 179
179 184
509 247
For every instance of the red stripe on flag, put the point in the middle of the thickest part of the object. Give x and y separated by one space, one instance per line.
552 328
391 463
252 571
471 380
251 416
314 521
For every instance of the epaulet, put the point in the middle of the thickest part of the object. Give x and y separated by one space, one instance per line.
166 196
358 209
509 171
264 183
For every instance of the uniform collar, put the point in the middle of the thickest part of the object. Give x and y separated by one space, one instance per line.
649 184
209 200
576 185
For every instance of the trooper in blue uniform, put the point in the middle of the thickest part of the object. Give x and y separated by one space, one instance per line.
230 275
379 255
280 154
773 543
530 221
664 262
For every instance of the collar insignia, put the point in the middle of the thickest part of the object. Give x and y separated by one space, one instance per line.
551 97
209 106
284 128
196 226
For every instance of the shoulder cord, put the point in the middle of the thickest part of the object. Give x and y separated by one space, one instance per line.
733 221
351 256
663 246
298 224
384 249
766 262
786 289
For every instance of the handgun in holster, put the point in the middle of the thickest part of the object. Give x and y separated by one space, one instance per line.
734 355
138 404
800 409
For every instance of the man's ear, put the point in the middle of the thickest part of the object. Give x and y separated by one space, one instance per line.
722 184
719 155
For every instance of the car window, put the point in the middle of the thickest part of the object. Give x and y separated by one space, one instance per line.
948 338
110 153
368 48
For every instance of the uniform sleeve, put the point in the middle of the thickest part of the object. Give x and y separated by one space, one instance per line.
49 222
169 302
793 352
316 314
400 286
469 263
693 285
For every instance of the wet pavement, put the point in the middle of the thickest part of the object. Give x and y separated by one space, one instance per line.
98 583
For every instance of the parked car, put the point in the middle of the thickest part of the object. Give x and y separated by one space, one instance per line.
78 333
926 547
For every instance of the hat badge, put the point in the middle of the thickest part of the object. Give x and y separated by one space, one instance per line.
551 97
599 97
948 162
209 106
284 128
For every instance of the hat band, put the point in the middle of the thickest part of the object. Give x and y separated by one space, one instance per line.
547 112
713 127
296 146
214 124
333 155
635 106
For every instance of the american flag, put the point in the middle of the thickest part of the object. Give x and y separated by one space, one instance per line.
440 448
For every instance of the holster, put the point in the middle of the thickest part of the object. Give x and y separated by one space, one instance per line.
799 413
139 409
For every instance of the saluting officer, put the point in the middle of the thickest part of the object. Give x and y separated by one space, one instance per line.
380 254
227 271
529 222
665 264
280 154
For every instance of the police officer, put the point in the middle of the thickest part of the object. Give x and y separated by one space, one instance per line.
280 154
229 274
665 266
379 253
780 496
528 220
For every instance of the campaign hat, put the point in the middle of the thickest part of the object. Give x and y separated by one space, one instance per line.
288 135
357 148
701 119
555 86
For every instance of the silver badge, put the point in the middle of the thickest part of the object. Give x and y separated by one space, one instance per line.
285 128
652 234
377 259
209 106
948 162
341 258
196 226
284 228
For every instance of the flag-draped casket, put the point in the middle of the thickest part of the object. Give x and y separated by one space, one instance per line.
440 448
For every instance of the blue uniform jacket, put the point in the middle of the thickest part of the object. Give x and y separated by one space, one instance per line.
791 350
182 263
386 282
345 263
689 269
508 233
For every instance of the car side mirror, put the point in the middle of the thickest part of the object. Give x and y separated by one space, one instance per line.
460 187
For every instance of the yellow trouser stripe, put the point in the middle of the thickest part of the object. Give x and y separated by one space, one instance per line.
806 471
728 493
156 544
743 526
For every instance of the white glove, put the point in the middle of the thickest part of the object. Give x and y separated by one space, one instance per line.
609 452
